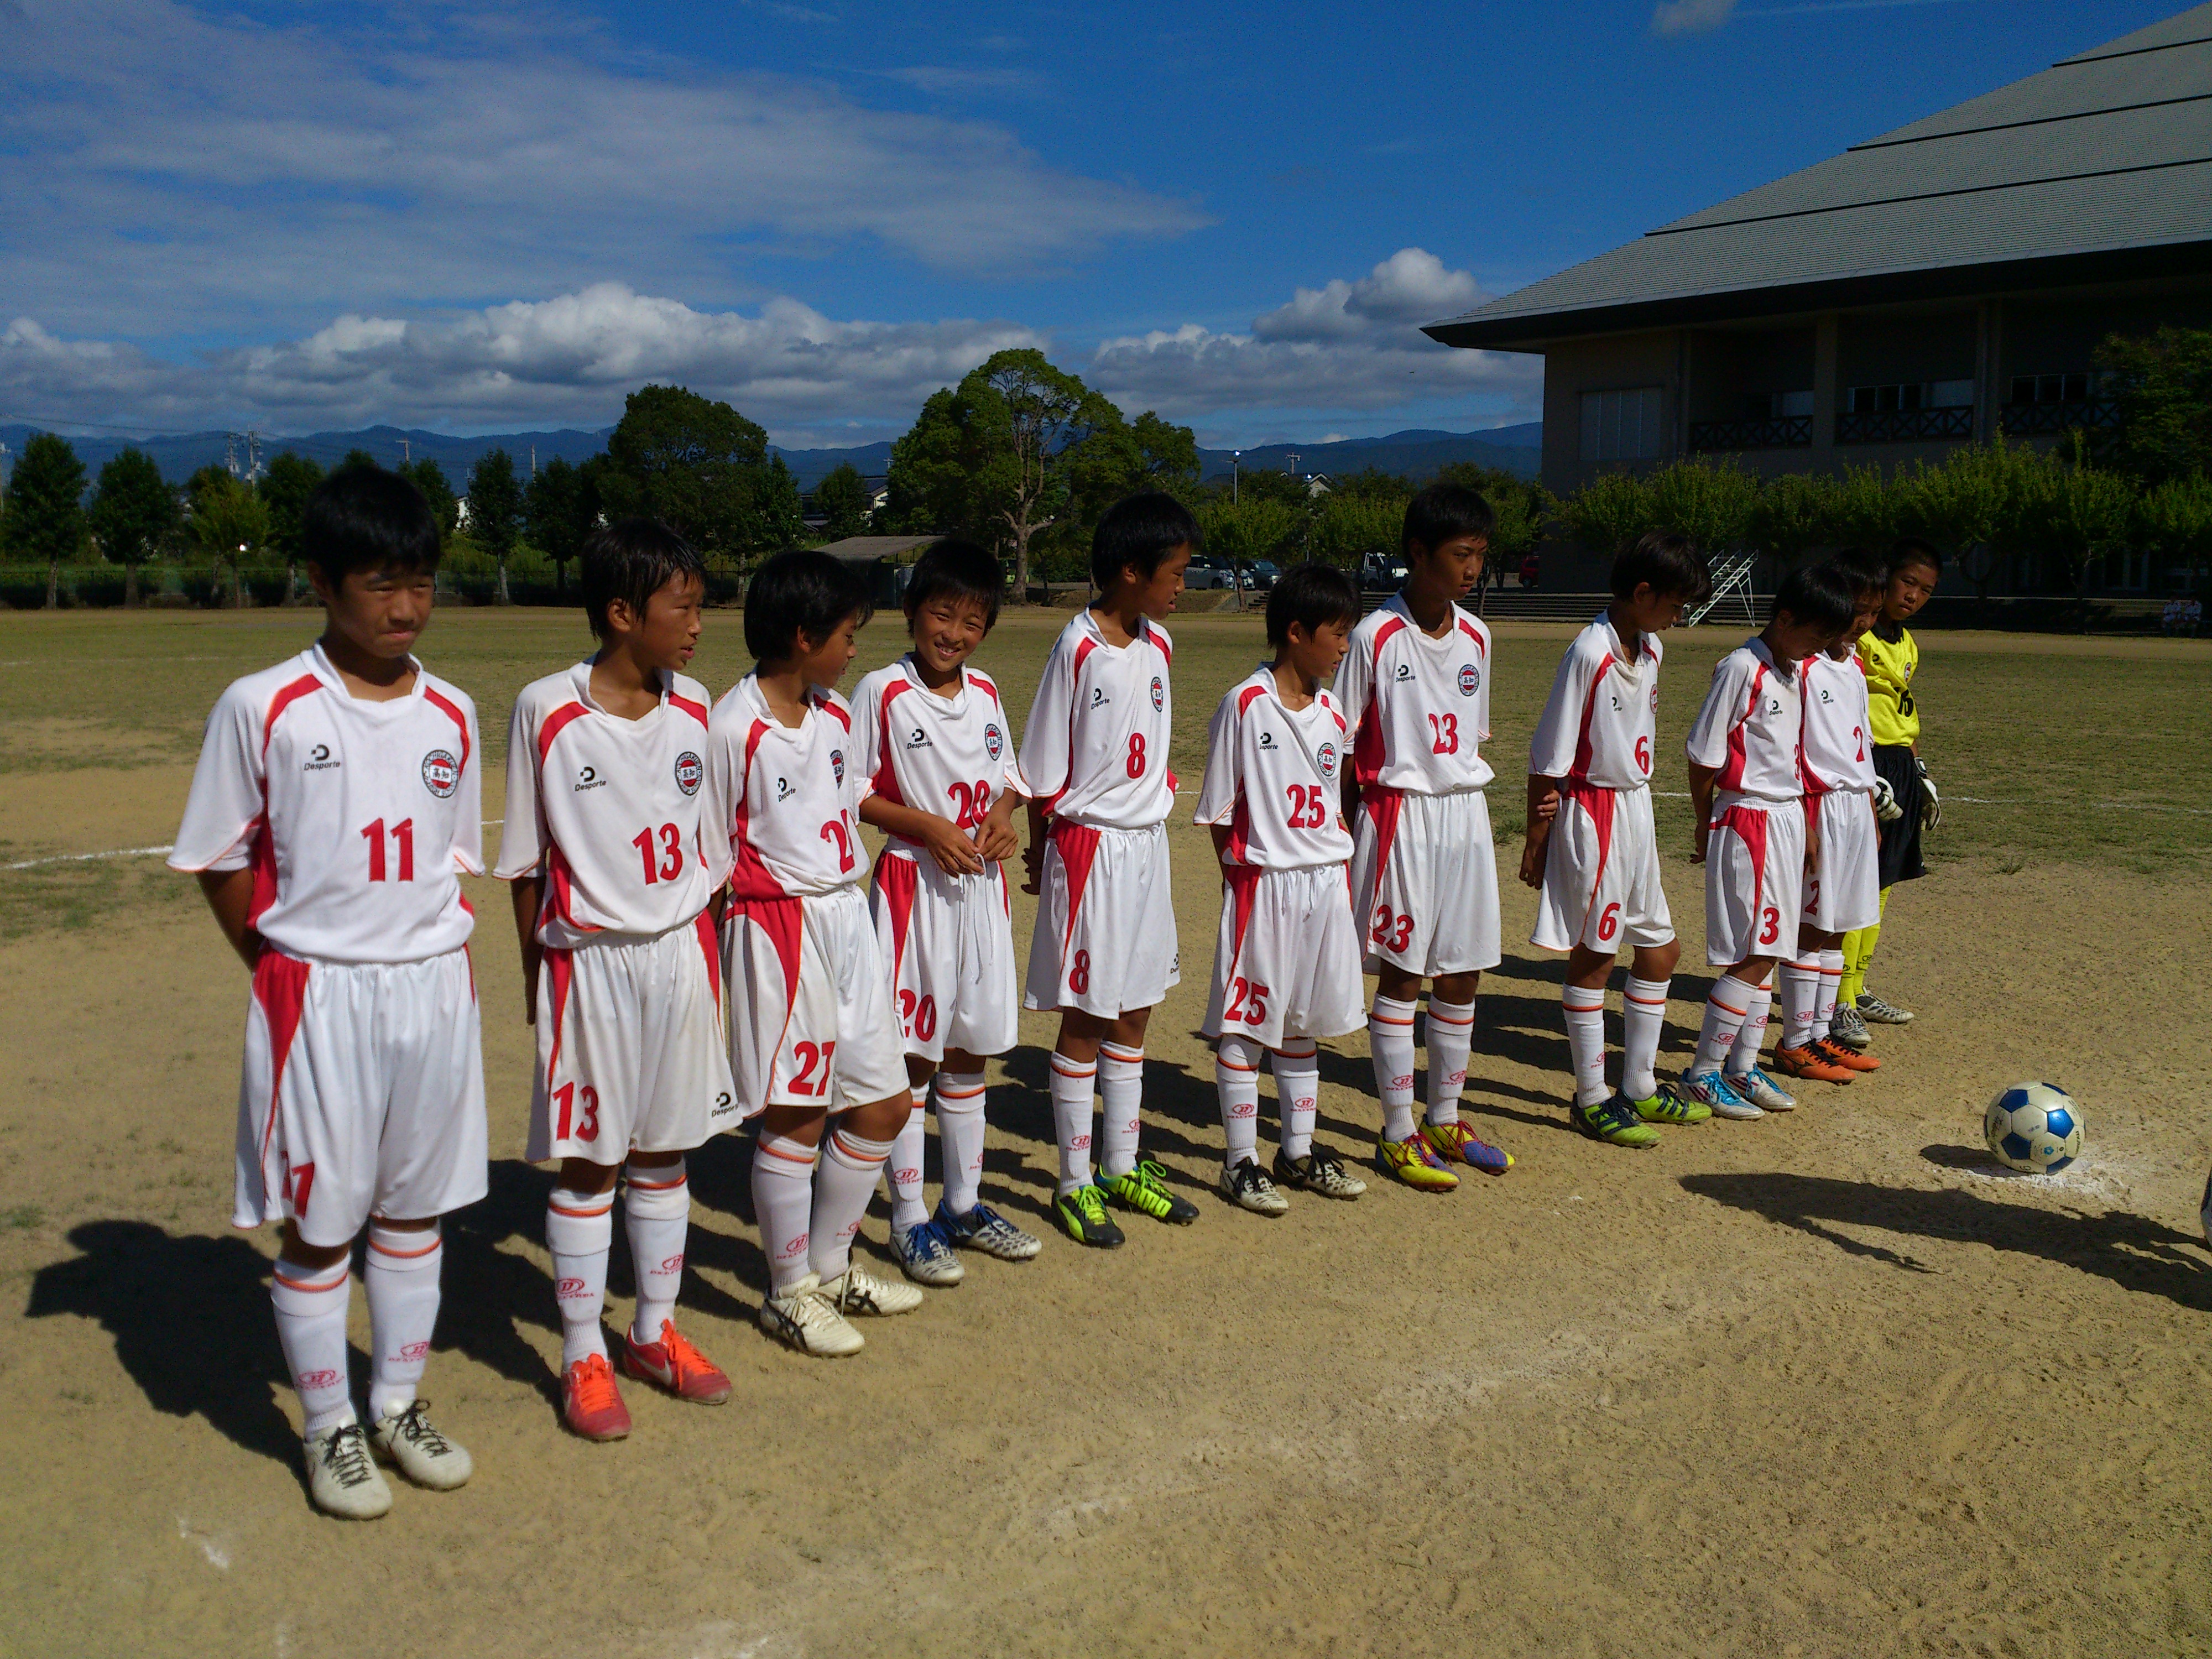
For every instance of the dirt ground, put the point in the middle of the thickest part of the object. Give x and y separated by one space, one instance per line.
1822 1384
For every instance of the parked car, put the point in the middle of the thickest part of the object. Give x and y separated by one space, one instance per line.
1260 574
1381 572
1206 571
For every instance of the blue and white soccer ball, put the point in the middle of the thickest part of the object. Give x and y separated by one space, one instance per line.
2035 1127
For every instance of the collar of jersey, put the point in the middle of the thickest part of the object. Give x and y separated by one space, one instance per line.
1434 642
1606 617
1091 619
580 677
955 704
748 689
322 668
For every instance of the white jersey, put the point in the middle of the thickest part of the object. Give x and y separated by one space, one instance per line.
1095 751
1273 775
946 756
607 807
1418 706
1748 729
783 803
1838 753
1598 724
357 816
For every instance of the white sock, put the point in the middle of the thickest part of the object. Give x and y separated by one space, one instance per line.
783 1203
1120 1093
1642 1018
904 1169
1832 977
1584 1008
580 1231
1751 1035
311 1324
402 1282
1297 1095
960 1137
1725 1008
1071 1084
1391 1043
1450 1035
657 1213
842 1187
1237 1076
1801 999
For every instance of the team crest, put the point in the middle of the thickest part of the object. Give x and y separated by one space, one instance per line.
441 773
1159 695
994 742
1470 679
837 764
1326 756
689 771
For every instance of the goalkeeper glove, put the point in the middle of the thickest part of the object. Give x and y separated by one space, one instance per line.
1884 802
1931 803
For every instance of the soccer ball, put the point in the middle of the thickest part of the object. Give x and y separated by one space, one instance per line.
2035 1127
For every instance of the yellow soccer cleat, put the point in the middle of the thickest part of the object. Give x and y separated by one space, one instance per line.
1456 1142
1411 1162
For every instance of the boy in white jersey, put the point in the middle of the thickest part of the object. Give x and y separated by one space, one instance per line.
621 972
1095 756
1847 798
813 1037
943 786
1416 687
336 802
1752 833
1591 848
1287 958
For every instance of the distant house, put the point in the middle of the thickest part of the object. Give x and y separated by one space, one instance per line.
886 560
1937 285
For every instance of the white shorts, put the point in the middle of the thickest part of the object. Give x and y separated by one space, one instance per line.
1426 880
631 1051
1287 960
1601 875
811 1020
362 1094
1105 938
1755 880
950 942
1844 892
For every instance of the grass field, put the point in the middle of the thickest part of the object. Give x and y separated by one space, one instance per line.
1822 1384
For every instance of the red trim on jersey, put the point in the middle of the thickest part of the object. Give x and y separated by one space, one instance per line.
438 699
560 890
982 681
1158 640
280 986
897 879
1748 825
697 711
1474 634
1599 804
1084 647
1731 775
1583 747
559 963
885 783
750 879
1381 806
551 729
830 708
1243 885
1078 845
1369 753
263 860
783 920
1237 849
703 925
304 686
1244 698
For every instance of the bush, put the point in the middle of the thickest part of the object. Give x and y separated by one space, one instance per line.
97 589
23 590
208 589
268 587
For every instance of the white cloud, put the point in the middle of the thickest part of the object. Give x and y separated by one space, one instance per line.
1690 17
203 174
1347 345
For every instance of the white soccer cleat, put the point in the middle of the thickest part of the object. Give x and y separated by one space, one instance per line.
342 1477
408 1439
1711 1089
1248 1187
926 1257
1760 1089
802 1318
856 1290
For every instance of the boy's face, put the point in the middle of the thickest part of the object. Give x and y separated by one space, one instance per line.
1157 596
1654 612
946 632
667 634
1909 589
1318 655
1449 570
381 612
1870 604
823 661
1792 641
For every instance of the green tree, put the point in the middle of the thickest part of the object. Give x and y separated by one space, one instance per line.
44 519
1372 483
1166 456
1860 509
560 509
1789 517
1609 512
427 476
284 488
134 514
1712 505
356 458
1347 528
228 524
703 469
2163 385
1026 413
1251 528
842 498
2176 519
495 509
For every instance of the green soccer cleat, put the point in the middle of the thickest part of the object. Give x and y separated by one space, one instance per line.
1082 1216
1614 1121
1667 1106
1145 1189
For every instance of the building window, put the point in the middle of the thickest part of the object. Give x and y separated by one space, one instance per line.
1622 426
2053 388
1907 396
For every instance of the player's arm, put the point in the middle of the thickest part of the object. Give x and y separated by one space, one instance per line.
528 893
1354 686
1812 835
1701 808
945 840
1045 756
1543 808
230 896
1033 855
1220 834
996 838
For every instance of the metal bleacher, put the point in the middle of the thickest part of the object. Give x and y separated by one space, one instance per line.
1731 580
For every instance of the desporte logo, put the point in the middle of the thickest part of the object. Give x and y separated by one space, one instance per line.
1405 671
918 738
588 777
783 788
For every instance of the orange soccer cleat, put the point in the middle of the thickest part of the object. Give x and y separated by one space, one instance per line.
1811 1064
590 1405
674 1364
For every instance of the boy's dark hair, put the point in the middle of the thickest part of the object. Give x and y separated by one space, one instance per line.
1136 532
1667 562
807 591
1821 592
1312 595
1862 566
1909 550
957 570
631 559
363 517
1444 513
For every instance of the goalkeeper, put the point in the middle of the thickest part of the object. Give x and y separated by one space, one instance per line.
1891 657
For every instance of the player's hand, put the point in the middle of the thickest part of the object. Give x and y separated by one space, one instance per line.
949 845
1548 806
1886 808
1931 803
996 840
1532 864
1033 867
1697 844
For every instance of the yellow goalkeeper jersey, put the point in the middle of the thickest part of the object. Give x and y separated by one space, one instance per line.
1889 669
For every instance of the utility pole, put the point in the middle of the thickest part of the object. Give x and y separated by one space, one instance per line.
1235 455
533 462
252 457
406 455
230 454
1294 464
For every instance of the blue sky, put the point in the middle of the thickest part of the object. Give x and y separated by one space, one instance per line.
302 216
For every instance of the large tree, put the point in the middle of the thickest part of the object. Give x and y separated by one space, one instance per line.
427 476
842 498
560 509
134 514
703 469
44 516
284 488
2163 384
495 509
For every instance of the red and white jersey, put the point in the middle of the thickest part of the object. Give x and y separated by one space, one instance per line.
1274 776
607 807
1838 751
1095 749
782 812
948 755
1418 706
356 818
1597 723
1749 728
